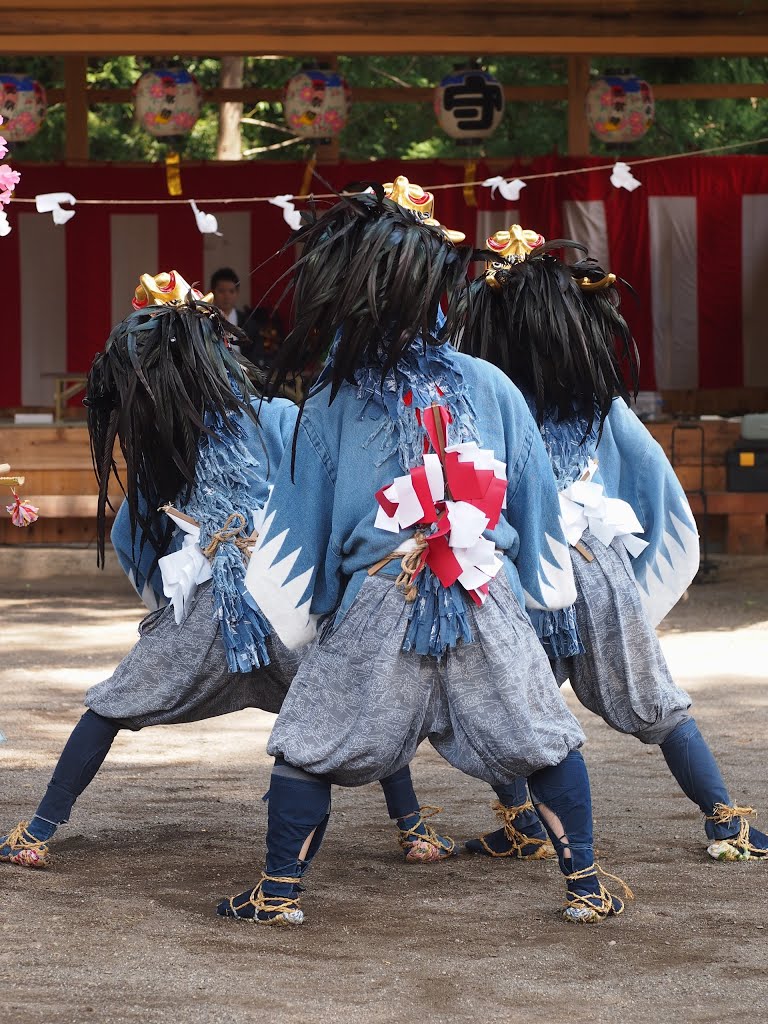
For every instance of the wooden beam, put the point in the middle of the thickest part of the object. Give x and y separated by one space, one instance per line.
385 94
76 124
392 94
715 91
578 126
57 40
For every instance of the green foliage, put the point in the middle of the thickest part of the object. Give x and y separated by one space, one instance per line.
406 130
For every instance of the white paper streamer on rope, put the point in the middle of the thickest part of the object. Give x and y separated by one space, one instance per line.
5 227
622 177
584 506
184 570
206 222
291 215
510 190
50 202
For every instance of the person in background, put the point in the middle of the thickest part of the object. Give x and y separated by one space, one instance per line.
262 325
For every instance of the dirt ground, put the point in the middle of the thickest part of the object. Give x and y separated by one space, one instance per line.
122 928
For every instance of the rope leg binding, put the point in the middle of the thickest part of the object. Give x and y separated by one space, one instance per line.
25 850
518 840
426 846
286 909
594 907
738 847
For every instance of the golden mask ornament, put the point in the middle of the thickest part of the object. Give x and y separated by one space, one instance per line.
514 245
511 246
413 197
163 289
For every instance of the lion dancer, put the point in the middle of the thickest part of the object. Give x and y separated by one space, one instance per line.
555 330
431 514
200 441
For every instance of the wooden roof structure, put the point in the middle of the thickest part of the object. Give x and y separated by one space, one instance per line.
311 27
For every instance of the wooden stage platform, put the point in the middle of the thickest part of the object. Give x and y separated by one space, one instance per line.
56 461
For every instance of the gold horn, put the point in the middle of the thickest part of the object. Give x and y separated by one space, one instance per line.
163 289
414 198
595 286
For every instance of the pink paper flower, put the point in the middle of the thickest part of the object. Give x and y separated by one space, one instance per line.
3 147
9 178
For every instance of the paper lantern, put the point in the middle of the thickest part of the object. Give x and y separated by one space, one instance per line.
620 108
167 101
316 103
22 105
469 104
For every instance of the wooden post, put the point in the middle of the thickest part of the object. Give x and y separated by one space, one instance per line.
229 145
76 100
578 126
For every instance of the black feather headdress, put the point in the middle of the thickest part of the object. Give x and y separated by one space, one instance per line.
556 331
165 374
370 278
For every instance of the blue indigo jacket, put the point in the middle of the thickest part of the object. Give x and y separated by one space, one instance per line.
632 466
234 473
319 537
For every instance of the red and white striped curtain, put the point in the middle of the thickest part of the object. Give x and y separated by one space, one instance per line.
692 241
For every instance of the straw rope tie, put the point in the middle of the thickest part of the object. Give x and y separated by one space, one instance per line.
410 565
409 836
586 901
258 899
231 531
518 840
722 814
23 843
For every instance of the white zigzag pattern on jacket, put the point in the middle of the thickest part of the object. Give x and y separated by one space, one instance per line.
278 597
667 579
556 583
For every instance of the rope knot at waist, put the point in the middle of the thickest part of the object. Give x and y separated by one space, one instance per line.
231 530
411 563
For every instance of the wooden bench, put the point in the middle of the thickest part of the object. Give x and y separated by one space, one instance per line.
745 518
56 461
65 386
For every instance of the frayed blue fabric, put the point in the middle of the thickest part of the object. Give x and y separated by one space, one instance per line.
427 373
569 443
225 474
437 619
557 631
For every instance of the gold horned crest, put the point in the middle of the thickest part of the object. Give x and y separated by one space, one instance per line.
413 197
517 243
512 246
163 289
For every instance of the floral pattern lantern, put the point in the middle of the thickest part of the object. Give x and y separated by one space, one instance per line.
469 104
167 101
316 103
620 108
22 106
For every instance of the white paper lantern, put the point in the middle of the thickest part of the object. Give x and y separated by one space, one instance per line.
167 101
22 105
620 108
316 103
469 104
